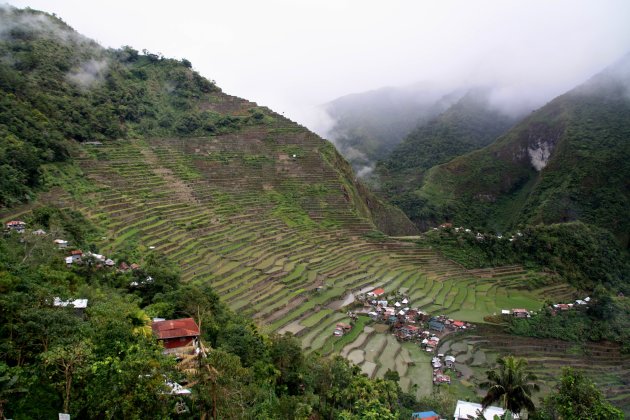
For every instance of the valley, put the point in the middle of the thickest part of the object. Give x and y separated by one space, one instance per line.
262 218
148 214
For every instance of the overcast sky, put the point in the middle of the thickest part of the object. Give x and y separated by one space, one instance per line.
293 55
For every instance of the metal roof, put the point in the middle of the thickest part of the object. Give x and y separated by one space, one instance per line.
175 328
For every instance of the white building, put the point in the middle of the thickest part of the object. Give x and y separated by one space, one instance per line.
465 409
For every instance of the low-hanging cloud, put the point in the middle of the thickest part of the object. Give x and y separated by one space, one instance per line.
88 73
302 54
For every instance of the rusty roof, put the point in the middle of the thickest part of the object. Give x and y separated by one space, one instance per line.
174 328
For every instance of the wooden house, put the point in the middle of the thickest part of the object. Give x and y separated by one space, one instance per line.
175 334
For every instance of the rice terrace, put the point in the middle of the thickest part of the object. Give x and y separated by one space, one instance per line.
263 217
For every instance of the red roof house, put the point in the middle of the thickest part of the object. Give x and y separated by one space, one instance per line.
458 324
16 225
520 313
377 292
176 333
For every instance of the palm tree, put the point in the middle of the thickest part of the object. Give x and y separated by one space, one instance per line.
512 385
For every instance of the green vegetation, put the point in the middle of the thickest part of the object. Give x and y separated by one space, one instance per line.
57 86
585 255
469 124
577 397
88 364
224 205
512 385
567 161
607 318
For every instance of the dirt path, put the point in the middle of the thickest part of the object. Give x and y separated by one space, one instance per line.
180 190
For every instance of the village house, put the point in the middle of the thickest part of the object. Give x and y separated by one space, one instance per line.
76 255
436 325
440 378
425 415
407 332
376 292
466 410
97 257
449 362
459 324
16 226
61 244
520 313
39 232
177 335
341 329
76 303
79 305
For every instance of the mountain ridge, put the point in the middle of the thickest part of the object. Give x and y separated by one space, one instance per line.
62 87
566 161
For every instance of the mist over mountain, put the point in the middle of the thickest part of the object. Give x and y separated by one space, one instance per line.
365 127
567 161
469 124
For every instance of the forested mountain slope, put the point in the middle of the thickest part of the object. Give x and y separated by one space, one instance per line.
567 161
58 87
469 124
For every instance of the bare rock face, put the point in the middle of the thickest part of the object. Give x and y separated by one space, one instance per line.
540 153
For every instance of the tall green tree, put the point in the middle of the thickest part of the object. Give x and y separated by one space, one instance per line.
577 397
511 385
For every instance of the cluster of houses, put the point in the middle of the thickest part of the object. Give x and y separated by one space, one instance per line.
479 236
380 309
466 410
516 313
440 363
341 329
555 308
410 324
558 307
76 256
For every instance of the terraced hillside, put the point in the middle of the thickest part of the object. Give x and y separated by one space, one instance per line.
278 238
602 362
263 218
266 216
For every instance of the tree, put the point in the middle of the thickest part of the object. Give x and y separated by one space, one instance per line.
577 397
68 360
221 386
511 385
8 386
